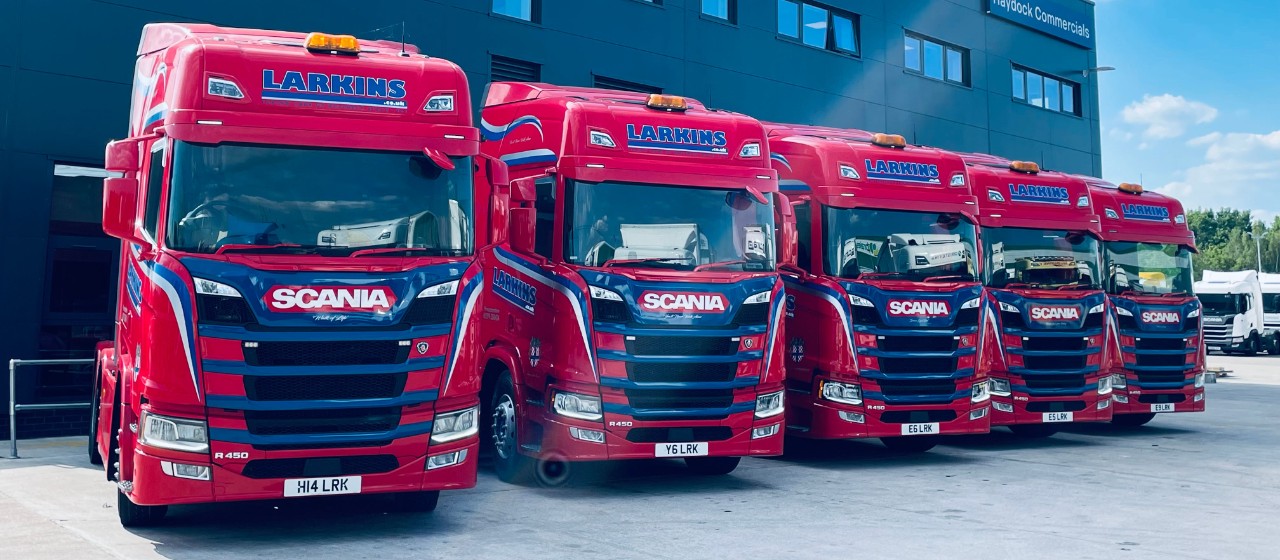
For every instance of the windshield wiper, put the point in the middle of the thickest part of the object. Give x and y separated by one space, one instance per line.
950 277
709 266
624 262
429 251
282 248
885 275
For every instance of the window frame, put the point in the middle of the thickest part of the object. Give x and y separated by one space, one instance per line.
1064 97
153 191
966 63
731 7
535 12
829 41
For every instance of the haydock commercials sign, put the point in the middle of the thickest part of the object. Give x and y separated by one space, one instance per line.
1072 23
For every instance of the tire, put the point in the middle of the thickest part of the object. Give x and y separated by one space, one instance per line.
1255 345
510 465
134 515
712 466
1033 430
1274 347
1132 420
909 444
95 456
416 502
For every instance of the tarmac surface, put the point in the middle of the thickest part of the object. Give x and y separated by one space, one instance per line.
1185 486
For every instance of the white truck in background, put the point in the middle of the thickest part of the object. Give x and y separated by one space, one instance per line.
1232 311
1271 311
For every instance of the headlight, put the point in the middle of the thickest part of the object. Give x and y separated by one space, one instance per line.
1123 311
178 434
1199 380
1097 308
860 301
1119 381
981 392
453 426
601 293
762 297
443 289
1193 314
209 287
971 303
1006 307
847 393
769 404
574 405
1104 385
999 387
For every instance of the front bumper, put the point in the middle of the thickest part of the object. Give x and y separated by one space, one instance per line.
558 442
1130 400
151 486
825 420
1020 408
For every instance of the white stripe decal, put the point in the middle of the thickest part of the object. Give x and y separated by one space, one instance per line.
527 153
180 315
577 309
775 326
462 331
844 318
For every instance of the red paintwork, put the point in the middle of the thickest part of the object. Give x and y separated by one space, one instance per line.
989 174
1107 197
812 156
550 124
147 367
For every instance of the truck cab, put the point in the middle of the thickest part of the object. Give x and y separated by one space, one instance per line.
1270 311
883 307
1147 252
1049 346
1233 311
299 216
635 310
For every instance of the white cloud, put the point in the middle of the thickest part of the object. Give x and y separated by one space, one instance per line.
1240 170
1167 116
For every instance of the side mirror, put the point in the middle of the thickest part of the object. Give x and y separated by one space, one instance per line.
524 190
499 198
124 155
523 229
120 209
787 239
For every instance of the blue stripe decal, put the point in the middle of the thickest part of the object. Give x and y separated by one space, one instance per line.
660 413
466 304
876 374
243 436
494 132
322 335
780 159
531 156
793 186
240 368
337 99
180 299
1034 372
837 300
133 284
566 288
244 403
918 399
622 356
1063 353
736 383
1163 384
1068 392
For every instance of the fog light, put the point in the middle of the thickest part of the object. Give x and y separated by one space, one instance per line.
765 431
593 436
978 414
1104 404
446 459
183 470
1122 399
855 417
1199 380
1002 407
1199 397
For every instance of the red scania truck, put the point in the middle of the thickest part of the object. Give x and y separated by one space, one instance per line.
298 216
635 310
1048 344
882 312
1147 251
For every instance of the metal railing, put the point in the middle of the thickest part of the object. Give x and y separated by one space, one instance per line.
14 407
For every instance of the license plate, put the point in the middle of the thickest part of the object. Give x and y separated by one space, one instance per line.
932 428
327 486
690 449
1058 417
1162 407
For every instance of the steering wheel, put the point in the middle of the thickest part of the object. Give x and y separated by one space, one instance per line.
226 208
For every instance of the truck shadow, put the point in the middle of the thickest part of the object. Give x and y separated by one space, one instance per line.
1106 429
1003 439
859 454
586 479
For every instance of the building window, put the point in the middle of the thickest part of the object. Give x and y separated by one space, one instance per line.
818 26
76 206
721 9
1046 92
605 82
934 59
503 69
528 10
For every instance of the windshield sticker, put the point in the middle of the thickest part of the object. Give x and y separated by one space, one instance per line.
902 171
318 90
677 139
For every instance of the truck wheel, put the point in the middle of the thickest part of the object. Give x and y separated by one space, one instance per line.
95 457
909 444
1273 348
712 466
1254 345
510 465
1132 420
416 502
1033 430
134 515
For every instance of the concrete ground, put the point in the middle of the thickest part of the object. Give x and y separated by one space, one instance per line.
1186 486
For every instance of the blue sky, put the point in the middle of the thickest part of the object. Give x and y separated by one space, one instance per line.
1193 107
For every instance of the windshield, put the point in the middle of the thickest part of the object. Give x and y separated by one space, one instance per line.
679 228
1152 268
258 198
1040 258
1222 305
1270 303
871 243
